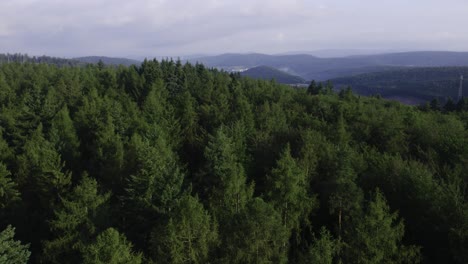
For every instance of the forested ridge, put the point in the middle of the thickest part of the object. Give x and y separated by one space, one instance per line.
420 83
175 163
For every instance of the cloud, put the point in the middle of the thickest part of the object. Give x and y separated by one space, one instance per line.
179 27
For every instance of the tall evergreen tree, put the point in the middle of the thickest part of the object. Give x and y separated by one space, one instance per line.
41 172
12 251
323 249
110 247
80 217
63 135
229 191
257 235
377 236
288 191
8 188
189 235
152 187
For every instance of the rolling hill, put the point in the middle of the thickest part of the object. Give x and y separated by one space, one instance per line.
108 60
314 68
268 73
411 85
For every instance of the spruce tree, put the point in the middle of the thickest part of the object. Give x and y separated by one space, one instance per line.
188 236
288 191
256 235
80 216
12 251
110 247
8 188
323 249
377 236
229 191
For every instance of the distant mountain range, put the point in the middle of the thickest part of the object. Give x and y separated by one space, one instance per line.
410 77
310 67
269 73
80 61
410 85
108 60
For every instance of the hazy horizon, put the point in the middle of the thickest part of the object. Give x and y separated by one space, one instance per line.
144 28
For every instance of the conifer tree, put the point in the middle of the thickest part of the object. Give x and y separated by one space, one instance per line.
8 188
41 170
256 235
156 178
377 236
323 249
287 190
152 187
12 251
63 136
189 235
80 217
110 247
229 191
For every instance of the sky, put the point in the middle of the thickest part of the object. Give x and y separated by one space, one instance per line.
148 28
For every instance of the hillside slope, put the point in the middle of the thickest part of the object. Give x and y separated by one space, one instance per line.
315 68
108 60
268 73
421 84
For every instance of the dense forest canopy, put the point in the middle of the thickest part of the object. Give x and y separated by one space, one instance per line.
174 163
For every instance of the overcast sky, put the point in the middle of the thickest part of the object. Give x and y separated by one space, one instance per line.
136 28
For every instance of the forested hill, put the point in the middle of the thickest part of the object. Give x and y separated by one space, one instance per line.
22 58
80 61
108 60
269 73
321 69
174 163
420 84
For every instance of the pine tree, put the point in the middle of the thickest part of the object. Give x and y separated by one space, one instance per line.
435 104
346 196
152 187
256 235
288 191
450 105
63 136
314 89
377 236
156 178
12 251
77 220
110 247
41 170
323 249
229 191
189 235
8 188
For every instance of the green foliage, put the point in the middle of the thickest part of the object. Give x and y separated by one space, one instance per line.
110 248
257 235
324 248
288 190
12 251
377 236
269 163
8 188
156 178
63 136
188 236
77 219
41 170
229 191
